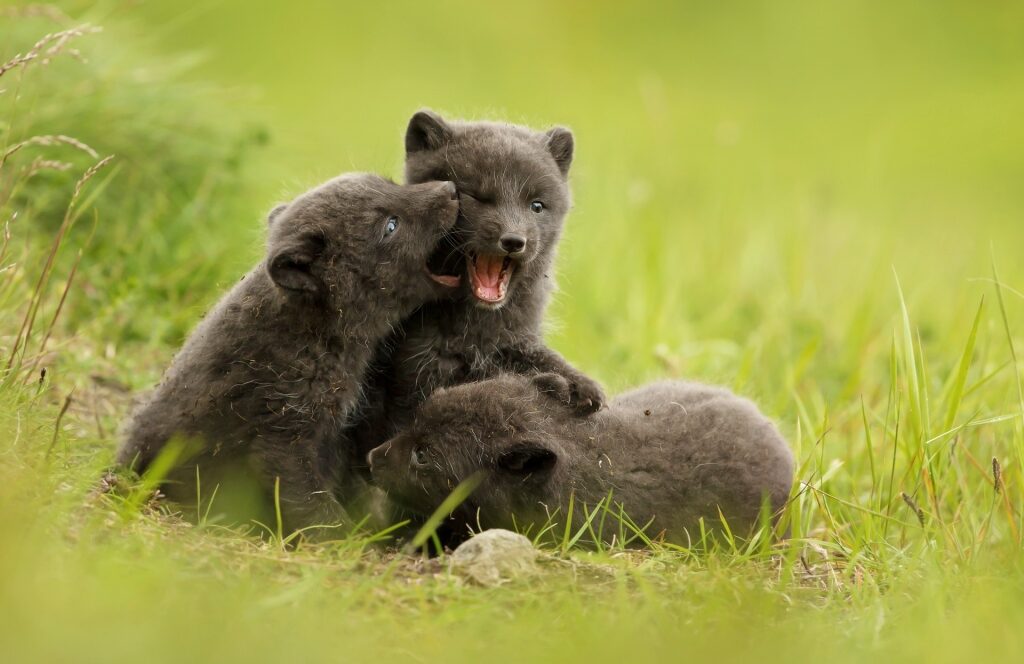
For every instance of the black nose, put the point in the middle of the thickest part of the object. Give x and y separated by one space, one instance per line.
513 243
453 193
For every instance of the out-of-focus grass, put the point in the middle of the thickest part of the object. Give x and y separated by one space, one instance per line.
164 243
750 182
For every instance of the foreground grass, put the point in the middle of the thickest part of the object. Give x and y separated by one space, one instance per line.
868 297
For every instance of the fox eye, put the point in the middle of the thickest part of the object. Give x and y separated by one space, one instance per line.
537 206
391 226
419 456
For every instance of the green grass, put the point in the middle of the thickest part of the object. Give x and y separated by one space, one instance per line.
816 204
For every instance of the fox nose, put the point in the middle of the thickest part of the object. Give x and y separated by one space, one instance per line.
453 193
513 243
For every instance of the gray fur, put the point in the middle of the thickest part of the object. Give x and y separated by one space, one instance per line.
274 371
673 452
500 170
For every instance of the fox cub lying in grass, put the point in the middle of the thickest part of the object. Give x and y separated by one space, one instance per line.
671 453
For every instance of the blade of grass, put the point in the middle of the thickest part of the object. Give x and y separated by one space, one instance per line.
910 364
956 393
458 495
1016 365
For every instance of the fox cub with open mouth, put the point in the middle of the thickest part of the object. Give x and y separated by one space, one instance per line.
513 199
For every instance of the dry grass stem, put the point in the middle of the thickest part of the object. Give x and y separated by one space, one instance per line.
49 46
912 504
21 339
48 141
38 165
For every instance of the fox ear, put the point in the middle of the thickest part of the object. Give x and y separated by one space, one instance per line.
426 131
554 386
560 144
527 459
291 264
276 212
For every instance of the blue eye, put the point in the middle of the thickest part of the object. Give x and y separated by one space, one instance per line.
537 207
391 226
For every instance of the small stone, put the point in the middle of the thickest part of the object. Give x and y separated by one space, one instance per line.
494 557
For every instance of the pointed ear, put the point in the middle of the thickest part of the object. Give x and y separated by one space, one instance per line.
426 131
291 264
560 144
276 212
527 459
554 386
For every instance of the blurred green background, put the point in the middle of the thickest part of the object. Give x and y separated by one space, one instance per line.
727 152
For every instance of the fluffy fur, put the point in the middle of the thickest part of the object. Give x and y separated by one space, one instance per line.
514 195
268 379
671 452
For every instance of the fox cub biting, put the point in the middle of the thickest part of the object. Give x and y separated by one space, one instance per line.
273 373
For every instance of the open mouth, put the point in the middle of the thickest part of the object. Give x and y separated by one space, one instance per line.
445 263
489 275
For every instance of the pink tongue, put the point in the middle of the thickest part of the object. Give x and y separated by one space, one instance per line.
488 277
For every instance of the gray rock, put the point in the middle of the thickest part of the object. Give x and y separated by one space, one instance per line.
494 557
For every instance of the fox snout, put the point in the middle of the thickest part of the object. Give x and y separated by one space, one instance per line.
512 243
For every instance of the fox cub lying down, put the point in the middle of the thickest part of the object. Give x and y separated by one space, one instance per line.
672 453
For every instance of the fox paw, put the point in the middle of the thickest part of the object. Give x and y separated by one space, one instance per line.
585 395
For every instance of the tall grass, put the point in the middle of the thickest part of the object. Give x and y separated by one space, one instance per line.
182 161
12 181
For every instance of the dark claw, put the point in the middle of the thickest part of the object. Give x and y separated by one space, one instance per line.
587 397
